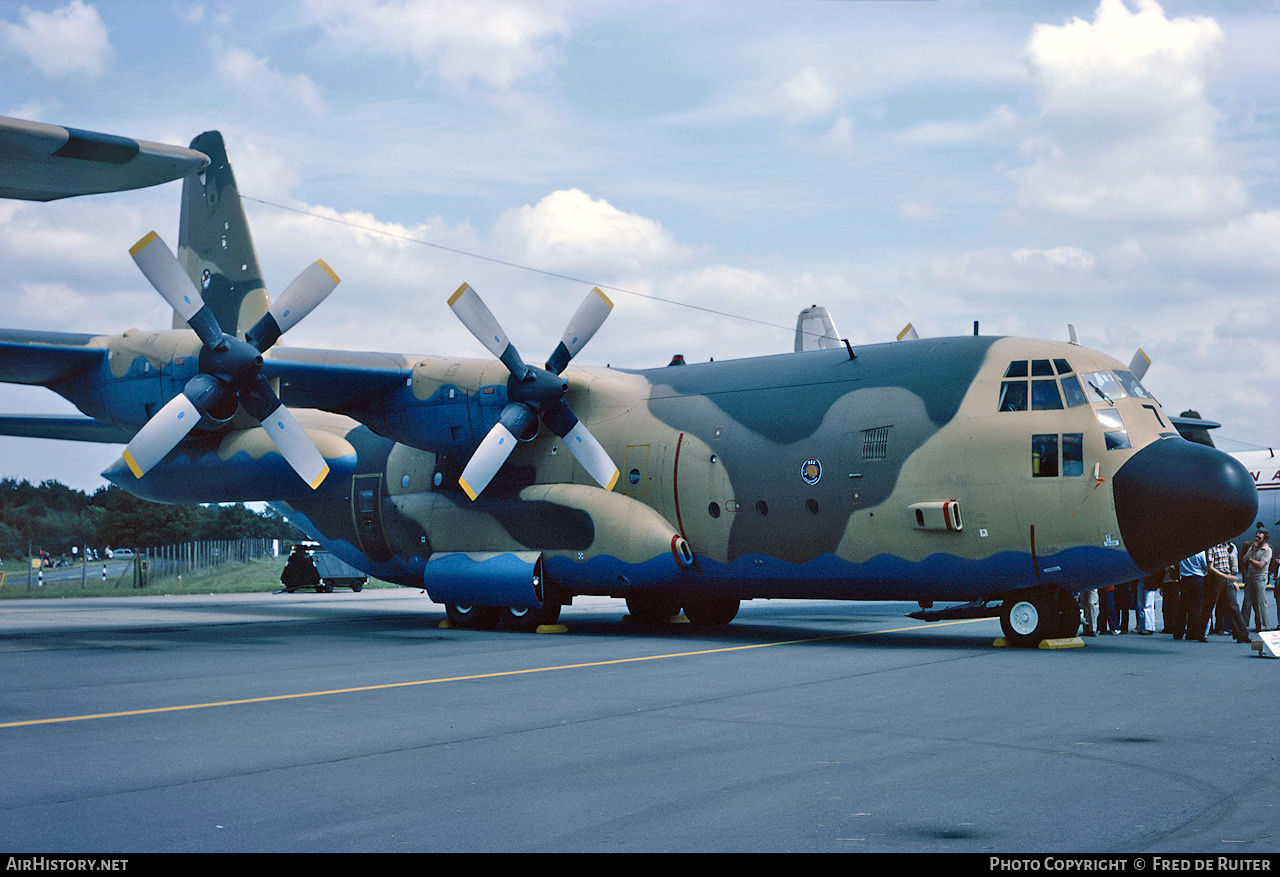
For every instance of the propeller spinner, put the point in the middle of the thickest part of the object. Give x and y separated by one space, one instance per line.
536 394
230 369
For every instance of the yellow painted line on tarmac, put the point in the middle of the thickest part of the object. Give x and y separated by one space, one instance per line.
496 675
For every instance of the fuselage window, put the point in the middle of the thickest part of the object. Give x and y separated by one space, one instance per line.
1044 395
1013 396
1073 454
1045 461
1044 456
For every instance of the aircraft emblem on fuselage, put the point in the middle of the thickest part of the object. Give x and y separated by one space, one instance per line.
811 471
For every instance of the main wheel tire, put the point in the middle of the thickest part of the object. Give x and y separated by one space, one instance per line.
1038 614
529 620
711 611
473 617
652 610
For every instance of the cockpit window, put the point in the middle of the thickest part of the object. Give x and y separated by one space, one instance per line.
1131 385
1045 396
1071 389
1109 418
1013 395
1104 386
1117 437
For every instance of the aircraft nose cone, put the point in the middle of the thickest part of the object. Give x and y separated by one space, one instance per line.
1175 497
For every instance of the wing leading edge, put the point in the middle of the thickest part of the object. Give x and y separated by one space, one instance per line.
43 162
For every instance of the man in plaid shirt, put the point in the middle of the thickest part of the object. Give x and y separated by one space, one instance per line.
1218 577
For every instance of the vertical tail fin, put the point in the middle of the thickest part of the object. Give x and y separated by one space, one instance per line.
214 244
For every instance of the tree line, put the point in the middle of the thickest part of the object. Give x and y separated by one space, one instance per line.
55 518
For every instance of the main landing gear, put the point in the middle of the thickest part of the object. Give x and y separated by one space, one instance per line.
1036 614
489 617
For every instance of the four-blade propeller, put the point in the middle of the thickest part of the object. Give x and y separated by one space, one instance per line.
535 394
230 369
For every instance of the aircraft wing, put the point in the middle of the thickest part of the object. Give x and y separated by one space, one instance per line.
73 429
42 162
45 357
334 380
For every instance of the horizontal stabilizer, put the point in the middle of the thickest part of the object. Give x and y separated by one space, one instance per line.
74 429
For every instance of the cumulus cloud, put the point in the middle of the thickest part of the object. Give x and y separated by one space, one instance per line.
807 95
1125 131
490 42
254 78
71 40
568 230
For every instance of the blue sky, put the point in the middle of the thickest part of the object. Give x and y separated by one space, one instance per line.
1113 165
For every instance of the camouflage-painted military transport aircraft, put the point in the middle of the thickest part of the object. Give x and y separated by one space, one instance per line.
1008 471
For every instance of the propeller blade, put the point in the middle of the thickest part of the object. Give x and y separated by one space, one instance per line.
908 333
262 404
161 268
300 298
592 456
487 460
161 434
582 444
296 446
1139 364
481 323
589 317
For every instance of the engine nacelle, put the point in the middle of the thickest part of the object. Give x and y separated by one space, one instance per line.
462 578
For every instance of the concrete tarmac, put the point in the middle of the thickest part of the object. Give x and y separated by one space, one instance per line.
354 722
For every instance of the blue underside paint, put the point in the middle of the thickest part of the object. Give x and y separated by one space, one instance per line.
940 577
240 478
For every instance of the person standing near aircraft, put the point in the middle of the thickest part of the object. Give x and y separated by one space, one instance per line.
1190 593
1216 579
1255 563
1145 611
